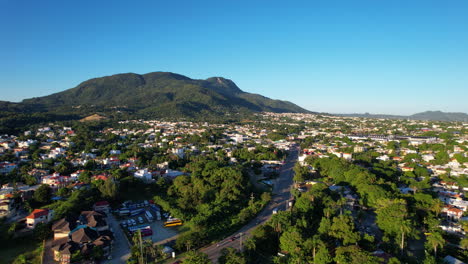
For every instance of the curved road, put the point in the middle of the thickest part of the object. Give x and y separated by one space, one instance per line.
280 198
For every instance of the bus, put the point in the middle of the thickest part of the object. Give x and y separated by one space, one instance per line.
136 212
149 216
124 211
146 231
173 222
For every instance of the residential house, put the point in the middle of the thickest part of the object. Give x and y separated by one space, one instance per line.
38 216
452 213
143 174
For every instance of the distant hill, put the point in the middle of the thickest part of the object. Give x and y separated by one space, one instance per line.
428 115
439 115
159 94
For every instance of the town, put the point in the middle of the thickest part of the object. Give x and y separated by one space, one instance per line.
275 188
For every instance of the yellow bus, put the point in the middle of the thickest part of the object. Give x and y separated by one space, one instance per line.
177 222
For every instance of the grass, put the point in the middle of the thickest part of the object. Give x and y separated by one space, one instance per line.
27 246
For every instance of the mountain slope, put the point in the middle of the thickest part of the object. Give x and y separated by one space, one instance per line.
428 115
162 94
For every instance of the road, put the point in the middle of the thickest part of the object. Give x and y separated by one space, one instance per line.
121 247
280 198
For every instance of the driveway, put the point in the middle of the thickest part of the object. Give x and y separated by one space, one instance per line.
121 247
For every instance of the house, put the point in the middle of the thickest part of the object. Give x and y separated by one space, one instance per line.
93 219
454 164
143 174
405 168
383 158
452 213
64 251
38 216
6 207
81 234
347 156
63 227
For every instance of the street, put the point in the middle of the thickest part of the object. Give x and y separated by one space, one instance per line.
120 249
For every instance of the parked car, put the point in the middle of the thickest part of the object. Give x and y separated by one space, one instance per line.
140 220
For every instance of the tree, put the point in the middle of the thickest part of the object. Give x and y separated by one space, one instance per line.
85 177
300 172
231 256
43 194
392 217
42 231
405 229
323 255
343 228
435 240
292 241
109 189
464 243
63 192
354 254
195 257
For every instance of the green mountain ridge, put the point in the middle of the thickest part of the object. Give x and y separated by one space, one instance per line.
160 94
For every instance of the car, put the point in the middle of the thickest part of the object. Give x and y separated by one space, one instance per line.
232 238
140 220
134 222
275 210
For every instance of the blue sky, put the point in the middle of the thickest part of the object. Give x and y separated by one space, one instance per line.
395 57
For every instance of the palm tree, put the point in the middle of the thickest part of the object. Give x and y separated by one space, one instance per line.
405 229
435 240
315 243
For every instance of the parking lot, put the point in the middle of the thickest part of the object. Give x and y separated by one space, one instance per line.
148 216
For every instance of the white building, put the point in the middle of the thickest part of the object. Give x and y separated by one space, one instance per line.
143 174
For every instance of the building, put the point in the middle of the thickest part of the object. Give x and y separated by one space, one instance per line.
38 216
143 174
83 234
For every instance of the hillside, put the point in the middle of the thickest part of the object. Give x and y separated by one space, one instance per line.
160 94
428 115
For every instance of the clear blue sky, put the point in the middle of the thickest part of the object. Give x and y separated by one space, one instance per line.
378 56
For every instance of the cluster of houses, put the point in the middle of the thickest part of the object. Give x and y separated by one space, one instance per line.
85 233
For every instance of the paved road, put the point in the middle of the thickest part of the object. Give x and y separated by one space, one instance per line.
281 196
120 248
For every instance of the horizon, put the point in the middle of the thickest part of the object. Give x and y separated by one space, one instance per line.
393 58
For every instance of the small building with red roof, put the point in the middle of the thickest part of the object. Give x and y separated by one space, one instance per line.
38 216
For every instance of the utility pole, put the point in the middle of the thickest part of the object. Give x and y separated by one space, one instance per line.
141 247
240 242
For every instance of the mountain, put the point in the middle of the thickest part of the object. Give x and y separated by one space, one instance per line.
159 94
441 116
428 115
